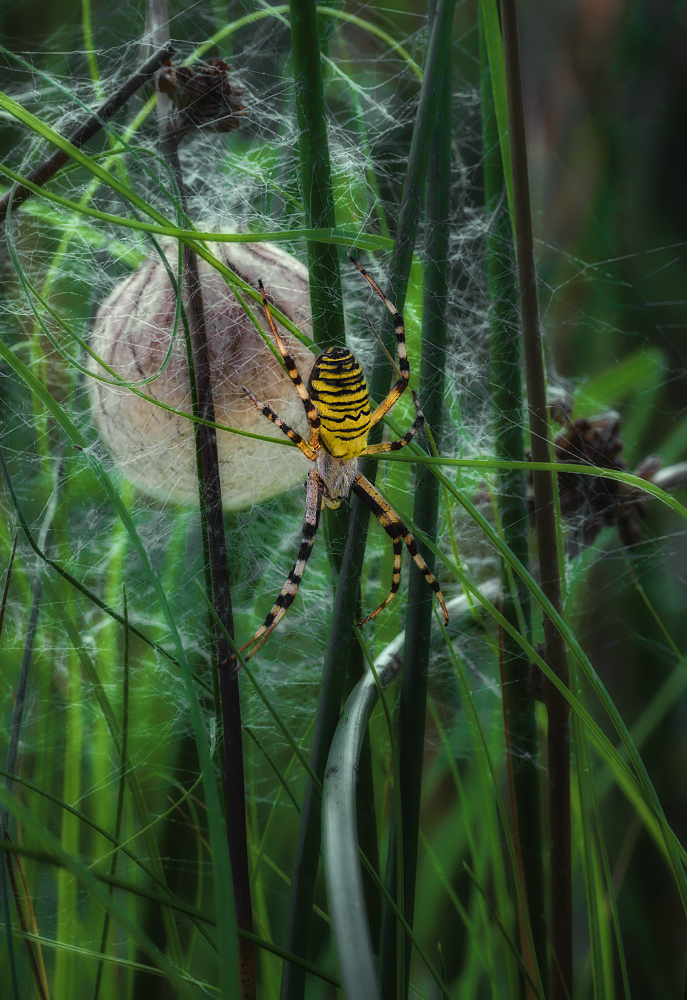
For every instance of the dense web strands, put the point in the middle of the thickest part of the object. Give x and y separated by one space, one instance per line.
93 256
249 181
72 261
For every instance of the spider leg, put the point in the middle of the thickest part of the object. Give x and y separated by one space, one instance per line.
386 446
268 412
397 531
403 365
313 507
310 411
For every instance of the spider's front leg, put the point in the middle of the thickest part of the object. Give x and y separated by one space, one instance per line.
398 533
313 507
311 413
400 332
387 446
292 435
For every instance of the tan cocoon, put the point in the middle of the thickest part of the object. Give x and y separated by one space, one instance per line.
154 448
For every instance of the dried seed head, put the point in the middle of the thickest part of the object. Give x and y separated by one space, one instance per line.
591 502
203 96
154 448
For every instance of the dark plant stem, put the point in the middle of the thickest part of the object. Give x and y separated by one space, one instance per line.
328 329
8 580
506 395
316 182
212 518
341 635
560 968
46 170
123 765
413 201
413 700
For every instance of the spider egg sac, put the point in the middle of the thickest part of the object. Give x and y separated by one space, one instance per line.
154 448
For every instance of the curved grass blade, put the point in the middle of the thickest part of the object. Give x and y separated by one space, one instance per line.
81 135
645 485
340 841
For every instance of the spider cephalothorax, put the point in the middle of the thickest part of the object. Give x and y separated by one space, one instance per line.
337 406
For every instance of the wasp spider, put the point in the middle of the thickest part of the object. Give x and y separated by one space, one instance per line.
337 406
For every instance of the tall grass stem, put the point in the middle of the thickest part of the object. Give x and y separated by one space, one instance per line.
560 916
328 329
315 174
420 611
507 403
413 204
212 518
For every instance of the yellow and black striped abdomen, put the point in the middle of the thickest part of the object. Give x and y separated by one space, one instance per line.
337 388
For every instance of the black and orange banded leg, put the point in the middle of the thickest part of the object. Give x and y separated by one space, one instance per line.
310 411
398 533
403 366
294 436
313 508
386 446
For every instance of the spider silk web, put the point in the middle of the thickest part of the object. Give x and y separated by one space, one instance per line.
247 181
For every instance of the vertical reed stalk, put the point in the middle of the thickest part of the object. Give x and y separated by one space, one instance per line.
506 394
413 700
558 711
328 329
328 711
315 174
413 201
211 512
339 649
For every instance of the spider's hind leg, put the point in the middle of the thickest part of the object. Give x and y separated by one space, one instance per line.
387 446
313 507
397 531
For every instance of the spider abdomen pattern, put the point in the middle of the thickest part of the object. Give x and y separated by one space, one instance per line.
338 391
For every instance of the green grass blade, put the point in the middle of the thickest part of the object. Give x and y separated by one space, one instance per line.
489 16
507 404
89 882
222 882
315 174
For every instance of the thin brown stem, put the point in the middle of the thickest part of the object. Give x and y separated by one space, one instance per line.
215 549
558 711
46 170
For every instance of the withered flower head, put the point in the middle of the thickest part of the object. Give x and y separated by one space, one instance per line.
593 501
203 96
